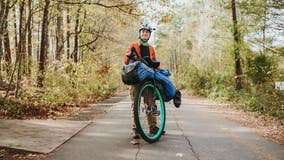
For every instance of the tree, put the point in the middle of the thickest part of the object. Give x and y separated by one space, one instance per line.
15 30
21 52
90 34
76 39
59 32
68 18
4 11
263 22
30 36
43 45
7 49
236 34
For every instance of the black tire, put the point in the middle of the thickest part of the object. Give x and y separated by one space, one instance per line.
141 112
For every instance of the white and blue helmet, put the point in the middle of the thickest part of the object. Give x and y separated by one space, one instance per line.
146 27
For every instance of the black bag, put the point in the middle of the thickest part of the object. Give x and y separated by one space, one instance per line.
129 73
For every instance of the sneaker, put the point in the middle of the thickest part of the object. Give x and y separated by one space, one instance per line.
136 136
177 99
135 142
154 130
135 139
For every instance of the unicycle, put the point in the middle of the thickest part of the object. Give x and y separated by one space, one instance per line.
149 109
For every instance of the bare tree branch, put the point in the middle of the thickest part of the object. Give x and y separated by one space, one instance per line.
117 6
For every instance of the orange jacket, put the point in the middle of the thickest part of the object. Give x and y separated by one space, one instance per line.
136 45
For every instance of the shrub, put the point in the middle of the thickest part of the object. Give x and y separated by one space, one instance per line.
72 83
262 68
264 99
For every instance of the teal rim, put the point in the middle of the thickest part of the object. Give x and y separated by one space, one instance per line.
157 92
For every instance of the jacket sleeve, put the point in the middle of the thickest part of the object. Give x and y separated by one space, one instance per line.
126 59
153 56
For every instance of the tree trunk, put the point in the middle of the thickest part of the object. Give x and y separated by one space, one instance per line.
8 58
238 69
43 44
7 55
3 7
1 55
38 39
59 33
22 45
76 39
47 46
264 28
4 10
30 46
68 33
22 34
15 31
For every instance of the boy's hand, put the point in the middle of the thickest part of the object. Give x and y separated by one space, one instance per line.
165 72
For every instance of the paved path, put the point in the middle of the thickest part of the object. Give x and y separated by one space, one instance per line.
43 136
194 132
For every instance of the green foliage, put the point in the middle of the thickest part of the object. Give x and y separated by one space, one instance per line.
281 50
259 93
258 97
73 83
9 107
199 81
262 68
204 82
201 54
264 99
